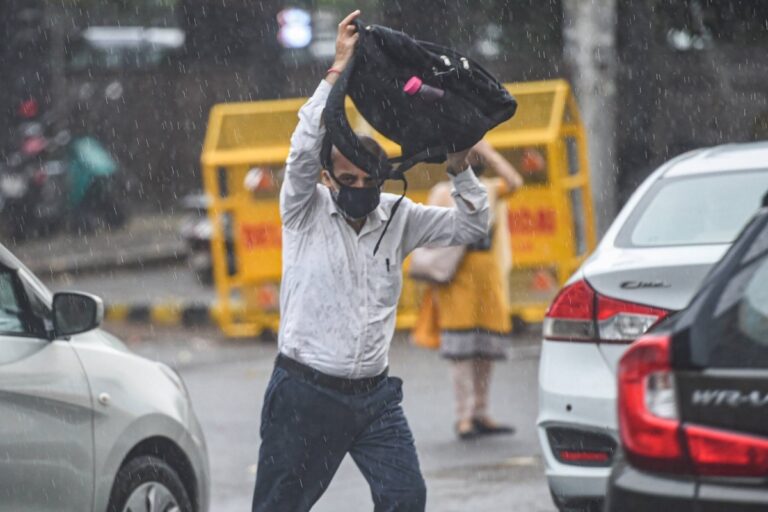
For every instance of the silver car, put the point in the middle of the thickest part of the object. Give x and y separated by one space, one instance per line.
85 425
649 264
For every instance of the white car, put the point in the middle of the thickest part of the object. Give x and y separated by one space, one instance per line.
648 265
85 425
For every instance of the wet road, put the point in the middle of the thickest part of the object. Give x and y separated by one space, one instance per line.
151 285
226 380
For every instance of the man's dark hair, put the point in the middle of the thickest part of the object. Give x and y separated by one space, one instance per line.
370 144
374 147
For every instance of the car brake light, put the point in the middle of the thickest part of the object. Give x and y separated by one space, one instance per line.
584 456
648 422
571 314
581 447
579 313
651 431
718 453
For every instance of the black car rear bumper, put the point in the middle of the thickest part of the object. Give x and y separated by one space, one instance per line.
630 490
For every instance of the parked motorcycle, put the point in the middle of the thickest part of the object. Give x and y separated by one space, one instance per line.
32 185
59 182
197 231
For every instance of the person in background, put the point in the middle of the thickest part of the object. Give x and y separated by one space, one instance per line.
472 313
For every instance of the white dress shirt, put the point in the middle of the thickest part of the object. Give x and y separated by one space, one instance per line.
337 300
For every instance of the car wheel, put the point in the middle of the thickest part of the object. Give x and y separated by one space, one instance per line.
148 484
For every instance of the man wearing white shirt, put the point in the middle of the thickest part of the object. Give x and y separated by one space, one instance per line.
330 393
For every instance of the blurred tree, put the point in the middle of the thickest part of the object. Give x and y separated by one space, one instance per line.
640 88
689 72
438 22
5 77
517 40
692 74
234 33
25 64
590 53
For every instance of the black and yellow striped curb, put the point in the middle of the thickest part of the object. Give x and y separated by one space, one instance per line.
167 314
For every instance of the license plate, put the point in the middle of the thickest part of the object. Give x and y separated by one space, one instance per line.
13 187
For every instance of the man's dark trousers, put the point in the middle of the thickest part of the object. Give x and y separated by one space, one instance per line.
307 427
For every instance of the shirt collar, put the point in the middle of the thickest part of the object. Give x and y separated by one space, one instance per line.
376 219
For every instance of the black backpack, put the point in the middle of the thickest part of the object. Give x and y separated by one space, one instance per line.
461 102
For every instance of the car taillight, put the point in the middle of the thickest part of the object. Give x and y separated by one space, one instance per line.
718 453
654 438
579 313
618 320
585 457
580 447
648 422
571 314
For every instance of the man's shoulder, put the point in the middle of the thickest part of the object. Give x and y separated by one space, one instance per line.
316 206
388 201
388 198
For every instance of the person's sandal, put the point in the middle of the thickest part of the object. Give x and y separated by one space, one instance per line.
467 434
486 426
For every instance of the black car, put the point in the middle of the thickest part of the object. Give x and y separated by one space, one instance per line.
693 396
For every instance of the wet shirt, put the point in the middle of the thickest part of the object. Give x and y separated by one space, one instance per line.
338 301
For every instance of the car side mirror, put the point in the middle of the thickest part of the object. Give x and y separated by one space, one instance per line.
74 313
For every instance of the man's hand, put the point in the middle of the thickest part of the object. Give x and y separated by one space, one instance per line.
457 162
346 39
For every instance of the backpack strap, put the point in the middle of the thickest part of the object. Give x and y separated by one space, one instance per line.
435 152
395 206
339 133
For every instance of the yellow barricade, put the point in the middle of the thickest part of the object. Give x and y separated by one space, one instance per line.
550 219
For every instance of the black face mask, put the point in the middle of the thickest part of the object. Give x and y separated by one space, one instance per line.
355 203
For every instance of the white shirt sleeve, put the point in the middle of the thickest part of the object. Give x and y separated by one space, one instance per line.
438 226
298 193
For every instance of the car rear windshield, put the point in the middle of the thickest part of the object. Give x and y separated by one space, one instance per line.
695 210
732 331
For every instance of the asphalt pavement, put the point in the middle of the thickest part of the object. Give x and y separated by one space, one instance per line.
173 282
226 380
146 239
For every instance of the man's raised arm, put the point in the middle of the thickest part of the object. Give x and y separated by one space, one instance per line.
297 194
466 223
303 165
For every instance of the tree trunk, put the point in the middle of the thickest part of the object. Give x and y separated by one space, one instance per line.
589 34
639 84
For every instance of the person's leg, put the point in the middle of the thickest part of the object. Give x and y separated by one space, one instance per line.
482 383
462 376
304 437
386 455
